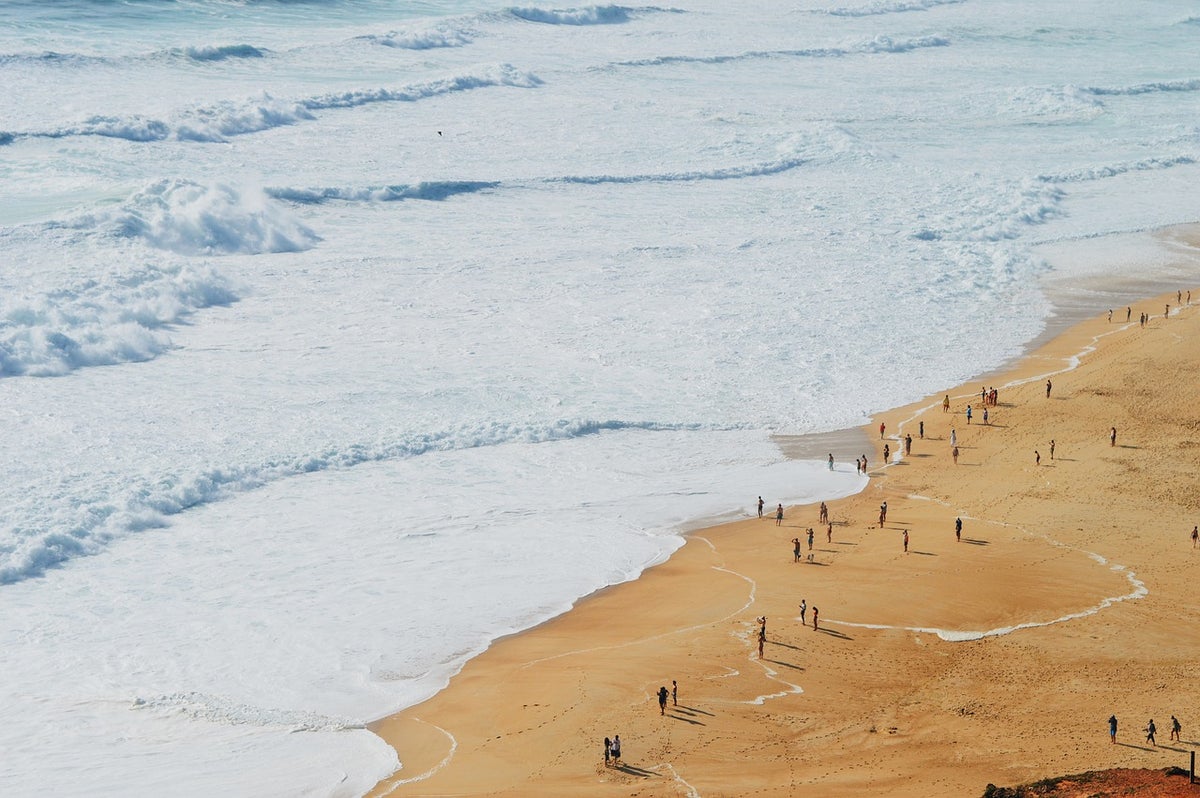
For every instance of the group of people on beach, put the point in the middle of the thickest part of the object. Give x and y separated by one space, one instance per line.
1151 730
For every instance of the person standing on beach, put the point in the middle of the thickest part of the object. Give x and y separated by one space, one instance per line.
616 749
1110 314
810 538
795 549
803 609
1128 313
762 634
607 751
1037 457
1051 448
1175 729
1112 728
908 444
968 414
1150 730
1112 437
882 429
674 693
958 529
985 415
953 438
906 541
779 515
829 534
954 454
816 612
823 515
946 404
864 459
760 506
662 699
921 430
887 453
831 461
1195 535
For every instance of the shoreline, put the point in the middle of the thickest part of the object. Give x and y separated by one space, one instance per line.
697 555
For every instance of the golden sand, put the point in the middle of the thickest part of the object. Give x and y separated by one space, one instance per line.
1075 580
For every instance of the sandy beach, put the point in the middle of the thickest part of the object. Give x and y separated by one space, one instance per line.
997 658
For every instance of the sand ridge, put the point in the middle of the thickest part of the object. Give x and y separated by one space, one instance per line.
934 671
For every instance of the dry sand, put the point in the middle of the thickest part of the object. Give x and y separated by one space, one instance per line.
1080 571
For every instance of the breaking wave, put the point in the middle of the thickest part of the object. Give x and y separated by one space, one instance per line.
82 526
193 219
878 8
219 122
588 15
435 191
119 319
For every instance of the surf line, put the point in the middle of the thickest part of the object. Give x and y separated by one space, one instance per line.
445 760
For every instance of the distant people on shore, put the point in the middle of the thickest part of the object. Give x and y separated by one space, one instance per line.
1112 437
1037 457
760 506
887 454
953 438
1150 731
958 529
607 751
803 609
795 549
810 538
779 515
674 693
816 612
921 430
662 700
823 515
829 534
946 404
1112 728
1051 448
1048 386
882 429
954 454
906 541
1195 536
1175 729
831 461
908 443
968 414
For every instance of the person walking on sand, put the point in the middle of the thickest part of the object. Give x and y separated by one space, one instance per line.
1110 315
823 515
779 515
1128 313
887 454
954 454
803 609
829 534
810 538
1112 728
1195 536
968 414
958 529
882 429
795 549
953 439
674 693
816 612
762 635
616 750
662 699
1112 437
1051 448
906 541
831 461
985 415
1037 457
946 404
1150 730
908 444
1048 386
607 751
760 506
1175 729
921 430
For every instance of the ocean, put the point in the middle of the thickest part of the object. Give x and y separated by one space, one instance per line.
339 338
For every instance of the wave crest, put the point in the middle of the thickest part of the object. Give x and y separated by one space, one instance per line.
192 219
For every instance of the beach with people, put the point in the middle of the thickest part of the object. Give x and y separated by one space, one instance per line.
1035 603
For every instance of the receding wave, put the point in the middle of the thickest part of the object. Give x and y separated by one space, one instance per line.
588 15
218 709
193 219
433 190
878 44
877 9
87 527
217 123
120 319
1112 170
